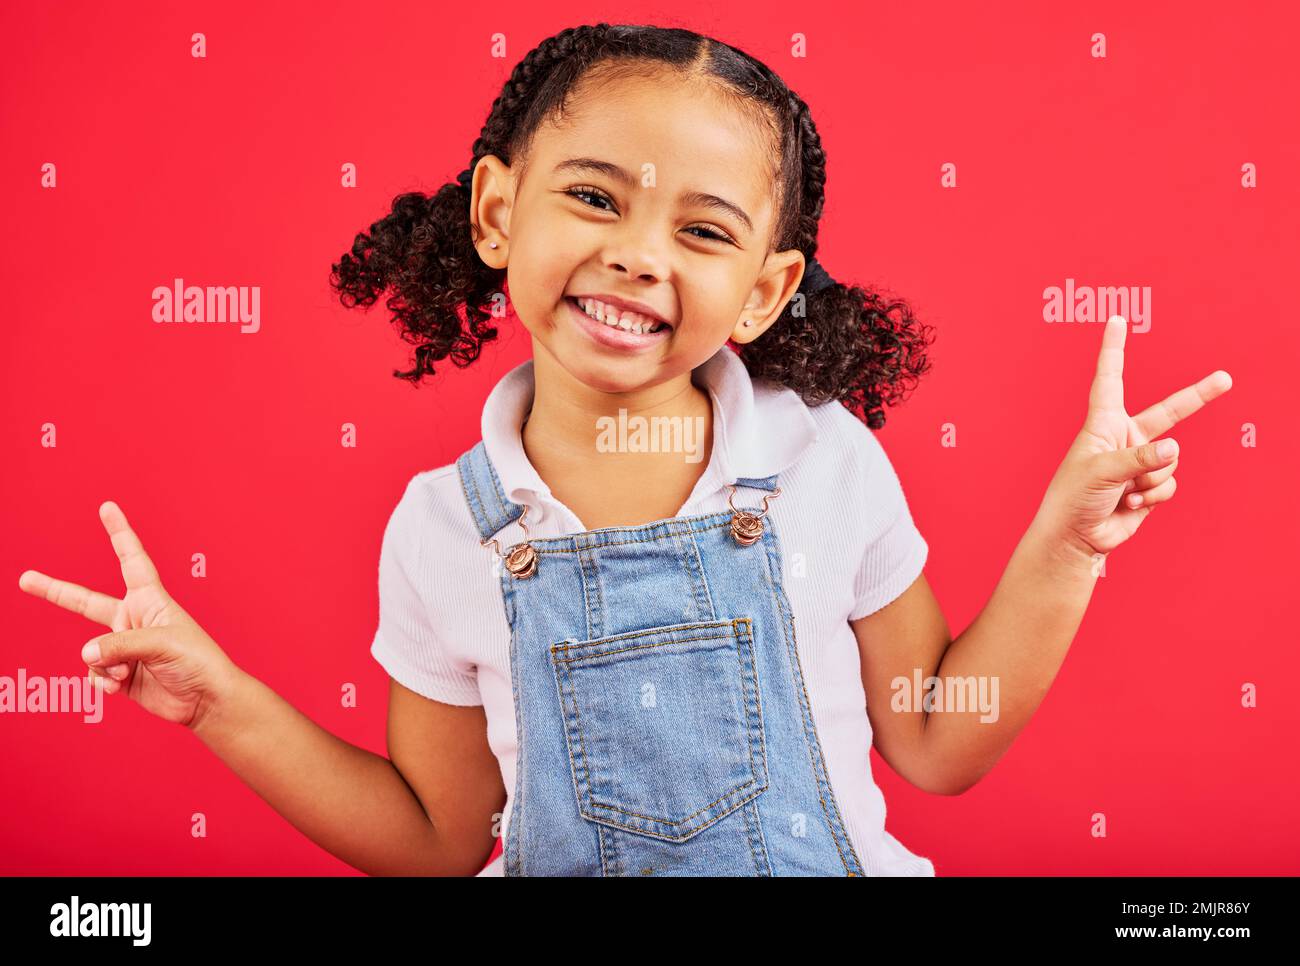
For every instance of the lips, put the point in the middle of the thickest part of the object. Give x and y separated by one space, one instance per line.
612 337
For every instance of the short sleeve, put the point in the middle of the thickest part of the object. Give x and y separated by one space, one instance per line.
407 641
895 552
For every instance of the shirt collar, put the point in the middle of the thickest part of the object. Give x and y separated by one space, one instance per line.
759 428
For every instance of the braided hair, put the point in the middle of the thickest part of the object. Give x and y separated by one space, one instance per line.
838 341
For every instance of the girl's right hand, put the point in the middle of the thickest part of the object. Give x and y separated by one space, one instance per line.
157 654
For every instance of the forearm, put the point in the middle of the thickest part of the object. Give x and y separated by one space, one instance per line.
1013 651
353 803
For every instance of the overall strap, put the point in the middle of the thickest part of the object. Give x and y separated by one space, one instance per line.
758 483
483 492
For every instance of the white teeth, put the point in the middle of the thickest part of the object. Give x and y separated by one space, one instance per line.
627 321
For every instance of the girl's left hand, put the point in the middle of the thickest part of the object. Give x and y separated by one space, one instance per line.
1113 474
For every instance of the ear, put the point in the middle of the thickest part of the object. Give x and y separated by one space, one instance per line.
492 195
777 283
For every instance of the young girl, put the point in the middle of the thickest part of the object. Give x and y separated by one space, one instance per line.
641 659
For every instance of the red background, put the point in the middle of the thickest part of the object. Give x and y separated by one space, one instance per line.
226 171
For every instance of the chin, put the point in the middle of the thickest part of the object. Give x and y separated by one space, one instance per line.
616 377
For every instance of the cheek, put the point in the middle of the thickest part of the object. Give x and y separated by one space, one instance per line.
713 313
541 273
533 292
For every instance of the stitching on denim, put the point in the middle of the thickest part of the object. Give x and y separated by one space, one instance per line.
758 698
497 490
601 834
749 834
805 708
755 726
647 631
748 639
511 847
590 589
592 563
564 684
475 505
476 460
701 578
567 684
669 526
487 517
754 835
679 838
555 648
698 811
539 544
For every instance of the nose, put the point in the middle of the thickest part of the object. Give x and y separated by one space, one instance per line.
636 254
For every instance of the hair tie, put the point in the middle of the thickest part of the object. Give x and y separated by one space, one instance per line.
815 278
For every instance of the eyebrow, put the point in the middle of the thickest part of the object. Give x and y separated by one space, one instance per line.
610 170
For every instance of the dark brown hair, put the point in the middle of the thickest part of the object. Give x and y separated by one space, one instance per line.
848 343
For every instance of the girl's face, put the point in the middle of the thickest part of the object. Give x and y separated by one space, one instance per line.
657 191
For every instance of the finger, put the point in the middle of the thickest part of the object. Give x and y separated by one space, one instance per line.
1160 417
1148 480
118 672
103 682
1157 494
137 569
100 608
144 644
1107 392
1123 465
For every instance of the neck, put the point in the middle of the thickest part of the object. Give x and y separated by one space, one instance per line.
564 426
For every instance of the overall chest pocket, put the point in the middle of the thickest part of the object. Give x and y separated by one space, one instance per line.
663 725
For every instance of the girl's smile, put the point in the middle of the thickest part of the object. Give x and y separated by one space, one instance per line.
610 335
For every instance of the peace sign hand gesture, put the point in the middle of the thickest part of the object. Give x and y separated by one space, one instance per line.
1113 474
157 653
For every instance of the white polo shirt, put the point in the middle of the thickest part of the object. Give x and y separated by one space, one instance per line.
848 547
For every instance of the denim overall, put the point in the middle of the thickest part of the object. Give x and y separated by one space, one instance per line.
662 721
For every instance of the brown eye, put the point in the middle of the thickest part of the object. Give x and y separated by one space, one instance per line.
709 233
588 191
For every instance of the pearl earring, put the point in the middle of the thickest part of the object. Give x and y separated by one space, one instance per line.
493 244
749 321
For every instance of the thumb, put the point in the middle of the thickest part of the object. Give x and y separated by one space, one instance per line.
1124 464
146 644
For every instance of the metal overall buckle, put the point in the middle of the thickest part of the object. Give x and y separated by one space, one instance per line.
747 527
521 561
